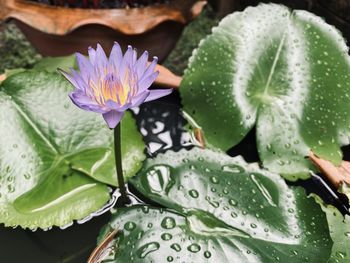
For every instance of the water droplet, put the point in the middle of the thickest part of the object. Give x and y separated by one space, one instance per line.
193 193
339 254
148 248
253 225
215 204
268 147
194 248
129 226
234 215
287 145
192 167
232 202
10 188
214 180
166 236
232 168
170 259
168 223
176 247
280 162
140 235
207 254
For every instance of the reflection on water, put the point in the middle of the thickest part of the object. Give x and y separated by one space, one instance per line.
162 125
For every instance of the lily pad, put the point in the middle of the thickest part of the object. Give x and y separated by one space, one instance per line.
51 64
55 159
339 227
218 209
285 72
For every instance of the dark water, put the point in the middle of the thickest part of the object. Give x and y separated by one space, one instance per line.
162 126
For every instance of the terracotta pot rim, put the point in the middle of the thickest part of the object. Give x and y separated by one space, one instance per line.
62 20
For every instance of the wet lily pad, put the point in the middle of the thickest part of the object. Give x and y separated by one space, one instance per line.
285 72
339 227
51 64
55 159
218 209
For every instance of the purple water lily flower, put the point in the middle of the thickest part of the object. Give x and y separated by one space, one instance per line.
112 85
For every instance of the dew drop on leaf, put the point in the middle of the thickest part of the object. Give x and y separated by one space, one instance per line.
214 180
168 223
129 226
147 248
232 169
193 193
166 236
176 247
194 248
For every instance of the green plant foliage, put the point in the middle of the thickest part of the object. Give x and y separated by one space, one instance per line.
285 72
218 209
51 64
55 159
198 29
15 50
339 227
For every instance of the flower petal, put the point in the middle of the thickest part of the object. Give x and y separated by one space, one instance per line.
150 68
158 93
116 56
145 83
86 103
128 57
112 118
85 67
139 99
141 64
75 79
101 60
112 105
126 63
92 55
69 77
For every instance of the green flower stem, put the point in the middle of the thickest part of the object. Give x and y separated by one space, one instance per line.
118 161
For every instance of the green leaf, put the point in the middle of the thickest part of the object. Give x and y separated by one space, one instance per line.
51 64
339 227
218 209
285 72
55 159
